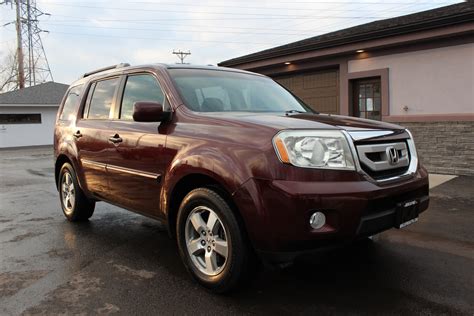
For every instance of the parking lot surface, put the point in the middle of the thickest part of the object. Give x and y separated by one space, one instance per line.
124 263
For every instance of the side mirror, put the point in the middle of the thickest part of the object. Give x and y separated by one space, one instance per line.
148 111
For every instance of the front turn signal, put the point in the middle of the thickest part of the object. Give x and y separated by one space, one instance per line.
281 150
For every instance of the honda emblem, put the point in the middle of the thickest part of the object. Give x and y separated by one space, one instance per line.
392 154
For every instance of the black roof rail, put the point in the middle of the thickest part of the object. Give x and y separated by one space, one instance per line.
121 65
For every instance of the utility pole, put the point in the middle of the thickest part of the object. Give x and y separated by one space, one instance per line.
32 63
19 50
181 55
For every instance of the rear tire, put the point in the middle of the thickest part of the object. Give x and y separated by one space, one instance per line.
211 242
75 205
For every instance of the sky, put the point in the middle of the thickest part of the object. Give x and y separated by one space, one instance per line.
85 35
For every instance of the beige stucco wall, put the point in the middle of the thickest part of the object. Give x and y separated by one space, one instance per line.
434 81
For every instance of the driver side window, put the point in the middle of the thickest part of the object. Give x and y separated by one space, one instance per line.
142 87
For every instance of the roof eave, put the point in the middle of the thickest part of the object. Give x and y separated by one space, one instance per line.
465 17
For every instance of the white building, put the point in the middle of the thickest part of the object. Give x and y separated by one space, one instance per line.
27 116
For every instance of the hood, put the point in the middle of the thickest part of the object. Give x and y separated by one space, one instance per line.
281 121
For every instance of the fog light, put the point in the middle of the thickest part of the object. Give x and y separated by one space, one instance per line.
317 220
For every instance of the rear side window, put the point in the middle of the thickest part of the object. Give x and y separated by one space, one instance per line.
71 104
102 97
139 88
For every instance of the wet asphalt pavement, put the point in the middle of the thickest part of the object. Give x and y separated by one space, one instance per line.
123 263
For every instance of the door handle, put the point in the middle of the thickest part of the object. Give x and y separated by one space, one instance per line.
77 134
115 139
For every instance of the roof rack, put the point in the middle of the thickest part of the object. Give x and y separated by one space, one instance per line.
121 65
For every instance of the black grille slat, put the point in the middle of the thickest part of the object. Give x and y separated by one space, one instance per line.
383 174
380 175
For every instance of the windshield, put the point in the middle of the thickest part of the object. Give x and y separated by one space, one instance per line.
226 91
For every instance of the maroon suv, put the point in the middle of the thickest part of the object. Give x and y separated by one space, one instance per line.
237 167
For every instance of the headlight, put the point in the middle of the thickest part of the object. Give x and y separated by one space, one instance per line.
314 149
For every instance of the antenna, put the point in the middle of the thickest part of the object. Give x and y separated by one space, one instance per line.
181 55
33 65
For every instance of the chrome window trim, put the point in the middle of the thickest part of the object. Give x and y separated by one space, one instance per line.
93 164
134 172
412 167
105 167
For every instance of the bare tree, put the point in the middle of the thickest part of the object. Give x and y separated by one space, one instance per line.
8 73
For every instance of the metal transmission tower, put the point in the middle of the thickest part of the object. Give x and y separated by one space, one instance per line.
181 55
32 63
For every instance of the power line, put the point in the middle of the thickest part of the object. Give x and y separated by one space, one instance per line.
58 22
265 16
157 21
326 28
32 65
219 4
161 39
173 30
177 39
319 17
262 28
240 6
298 23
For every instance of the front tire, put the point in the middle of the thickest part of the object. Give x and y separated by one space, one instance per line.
211 241
75 205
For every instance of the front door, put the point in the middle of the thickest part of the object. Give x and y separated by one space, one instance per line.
367 99
91 135
136 166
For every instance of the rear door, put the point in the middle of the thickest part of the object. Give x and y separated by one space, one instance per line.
92 134
136 164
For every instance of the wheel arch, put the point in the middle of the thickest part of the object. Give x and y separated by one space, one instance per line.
61 159
193 181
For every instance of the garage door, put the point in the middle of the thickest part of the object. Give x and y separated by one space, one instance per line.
319 89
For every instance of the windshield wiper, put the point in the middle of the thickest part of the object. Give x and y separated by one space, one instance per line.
293 111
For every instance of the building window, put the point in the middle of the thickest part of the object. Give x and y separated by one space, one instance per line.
20 118
367 98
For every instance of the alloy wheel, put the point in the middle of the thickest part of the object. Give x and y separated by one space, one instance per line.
206 240
68 193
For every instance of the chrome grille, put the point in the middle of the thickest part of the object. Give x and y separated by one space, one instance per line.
384 155
381 157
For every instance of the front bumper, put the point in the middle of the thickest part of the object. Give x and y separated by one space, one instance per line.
277 212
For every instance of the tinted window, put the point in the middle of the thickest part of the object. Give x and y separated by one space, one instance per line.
71 103
139 88
102 98
222 91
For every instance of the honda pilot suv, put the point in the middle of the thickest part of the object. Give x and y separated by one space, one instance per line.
239 169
